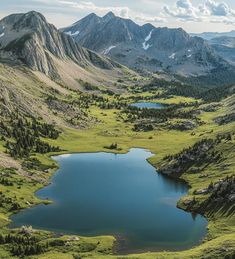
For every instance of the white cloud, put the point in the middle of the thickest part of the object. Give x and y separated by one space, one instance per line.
183 10
122 11
185 4
209 11
192 15
149 19
218 9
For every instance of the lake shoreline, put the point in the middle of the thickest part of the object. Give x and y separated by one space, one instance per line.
116 243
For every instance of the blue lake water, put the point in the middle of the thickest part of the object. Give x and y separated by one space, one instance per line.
148 105
120 195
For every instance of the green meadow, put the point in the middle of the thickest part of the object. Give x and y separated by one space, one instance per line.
220 239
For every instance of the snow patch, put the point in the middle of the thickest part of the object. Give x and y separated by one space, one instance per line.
149 36
129 35
172 56
189 56
189 50
106 52
70 33
146 46
2 34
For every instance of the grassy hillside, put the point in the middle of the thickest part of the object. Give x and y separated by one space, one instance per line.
89 122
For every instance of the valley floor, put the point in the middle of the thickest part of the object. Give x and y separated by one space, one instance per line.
220 240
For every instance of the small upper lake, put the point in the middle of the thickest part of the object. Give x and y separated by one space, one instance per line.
148 105
120 195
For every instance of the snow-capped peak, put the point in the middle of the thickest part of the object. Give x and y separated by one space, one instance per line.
146 46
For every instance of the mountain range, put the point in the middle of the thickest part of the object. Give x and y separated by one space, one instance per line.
30 40
212 35
225 47
223 43
100 50
145 48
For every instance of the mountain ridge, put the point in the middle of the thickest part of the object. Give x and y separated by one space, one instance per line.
211 35
225 47
30 39
145 47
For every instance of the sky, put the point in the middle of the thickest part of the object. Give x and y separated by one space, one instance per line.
192 15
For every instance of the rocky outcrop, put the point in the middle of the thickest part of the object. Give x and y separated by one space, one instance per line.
221 196
189 158
228 118
183 125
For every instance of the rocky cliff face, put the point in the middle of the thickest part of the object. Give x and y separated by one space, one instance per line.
145 47
190 159
31 39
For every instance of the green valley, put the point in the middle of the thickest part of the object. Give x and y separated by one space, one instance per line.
93 123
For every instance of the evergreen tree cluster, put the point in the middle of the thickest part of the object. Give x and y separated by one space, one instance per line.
143 127
23 136
87 100
134 114
208 94
112 146
8 203
210 88
5 181
23 245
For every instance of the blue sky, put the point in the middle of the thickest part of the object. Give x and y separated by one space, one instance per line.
192 15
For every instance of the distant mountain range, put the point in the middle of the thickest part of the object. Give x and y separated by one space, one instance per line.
145 48
223 43
225 47
211 35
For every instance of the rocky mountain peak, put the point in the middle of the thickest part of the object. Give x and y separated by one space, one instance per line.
30 20
36 43
109 15
91 18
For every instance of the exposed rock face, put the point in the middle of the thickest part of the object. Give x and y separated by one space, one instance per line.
37 43
184 125
180 163
212 107
145 47
221 193
228 118
220 196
